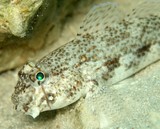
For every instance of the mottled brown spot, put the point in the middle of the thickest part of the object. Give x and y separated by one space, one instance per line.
58 126
78 83
108 75
74 88
97 24
58 70
94 58
142 51
98 68
83 58
81 27
94 82
85 29
78 34
91 48
111 65
77 65
77 41
55 73
20 87
114 61
70 94
25 107
88 36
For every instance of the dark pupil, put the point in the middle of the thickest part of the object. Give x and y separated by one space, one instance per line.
40 76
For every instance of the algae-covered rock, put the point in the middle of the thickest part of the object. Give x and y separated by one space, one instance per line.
16 14
27 25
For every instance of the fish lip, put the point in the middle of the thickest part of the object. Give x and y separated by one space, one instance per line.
34 112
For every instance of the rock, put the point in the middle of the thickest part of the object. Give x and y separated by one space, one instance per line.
15 15
27 26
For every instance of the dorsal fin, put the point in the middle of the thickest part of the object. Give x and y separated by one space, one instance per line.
99 17
145 9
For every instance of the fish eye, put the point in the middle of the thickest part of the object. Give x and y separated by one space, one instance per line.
40 76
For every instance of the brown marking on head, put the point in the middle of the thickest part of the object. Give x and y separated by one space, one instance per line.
19 87
32 77
25 107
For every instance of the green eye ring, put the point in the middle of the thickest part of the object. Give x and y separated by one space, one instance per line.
40 76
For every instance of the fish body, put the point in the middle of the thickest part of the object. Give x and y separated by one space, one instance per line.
110 47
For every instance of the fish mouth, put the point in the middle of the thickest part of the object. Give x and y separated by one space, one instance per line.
34 112
31 102
25 105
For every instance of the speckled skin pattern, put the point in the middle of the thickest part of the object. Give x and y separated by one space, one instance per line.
110 47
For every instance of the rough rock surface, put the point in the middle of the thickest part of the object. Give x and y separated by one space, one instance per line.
27 26
88 114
